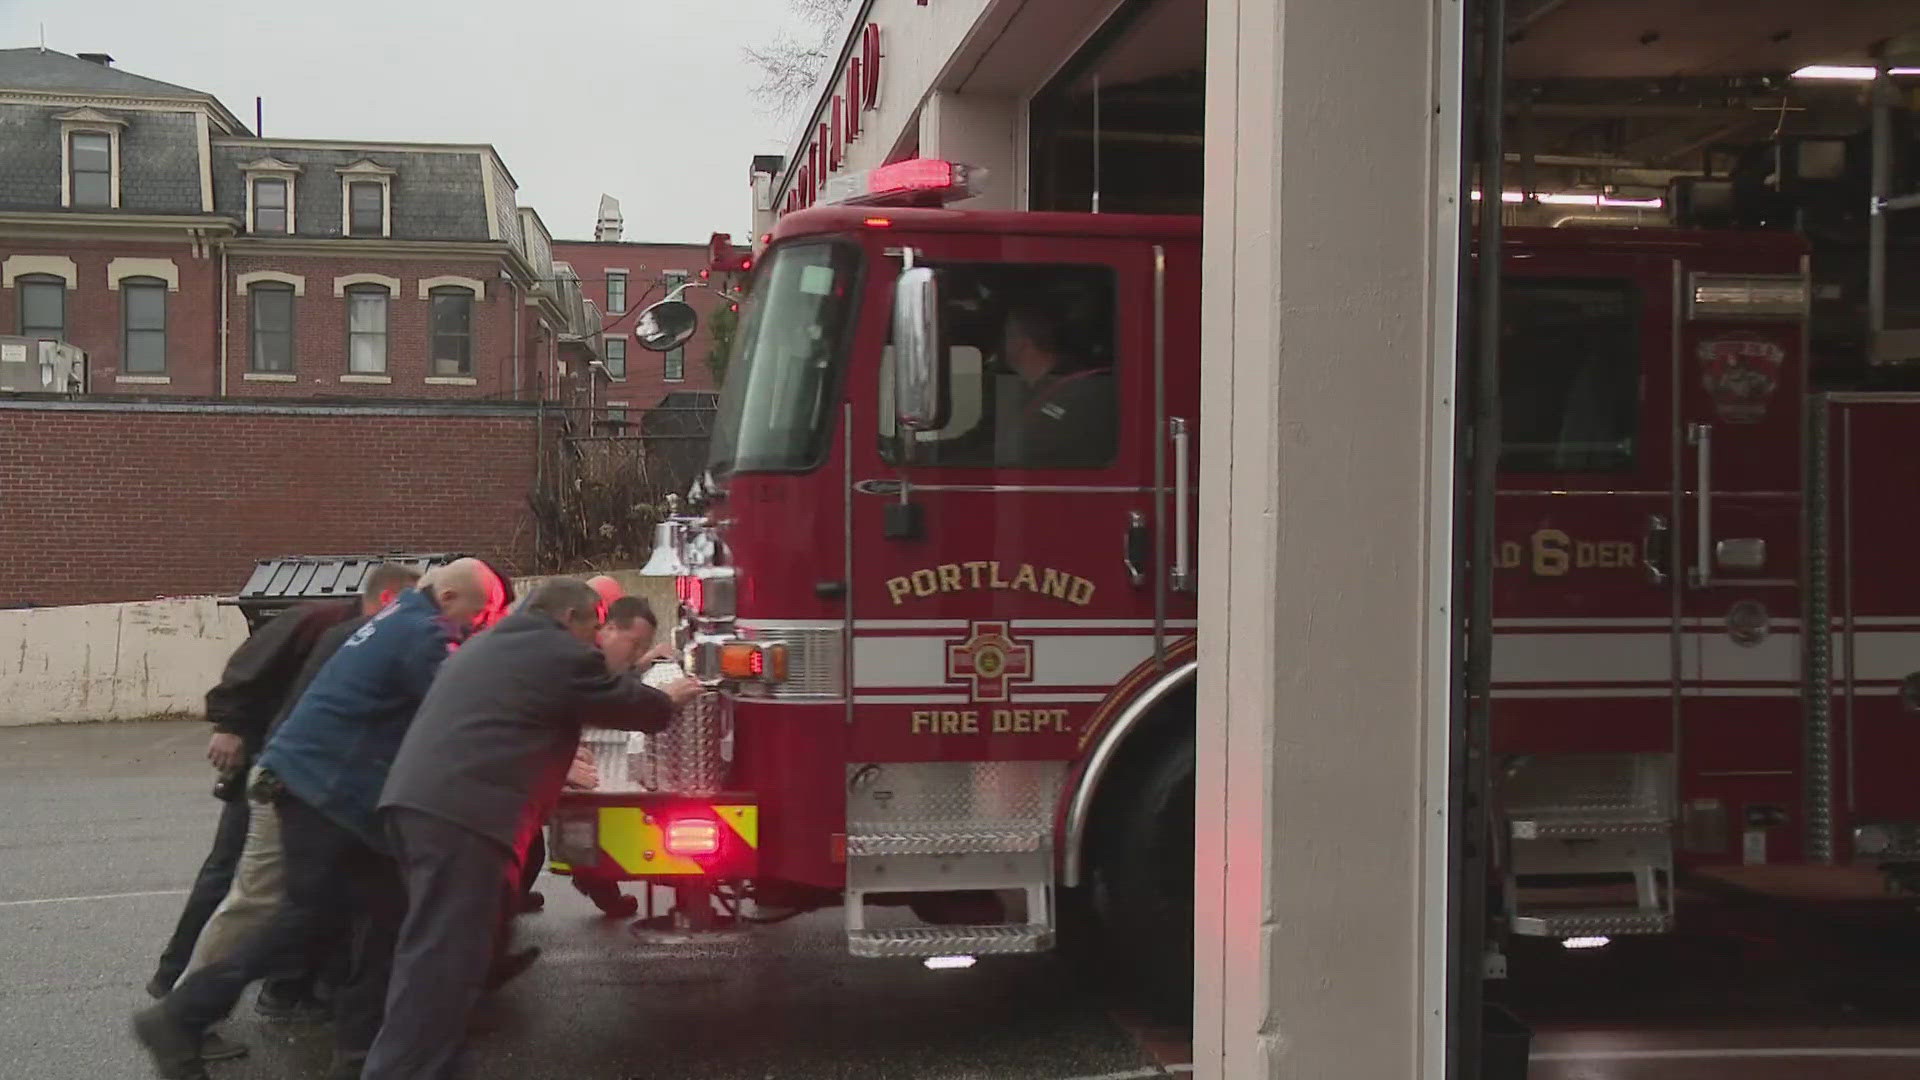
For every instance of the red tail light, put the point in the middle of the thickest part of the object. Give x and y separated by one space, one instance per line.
693 836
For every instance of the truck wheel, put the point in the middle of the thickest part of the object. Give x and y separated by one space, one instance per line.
1143 881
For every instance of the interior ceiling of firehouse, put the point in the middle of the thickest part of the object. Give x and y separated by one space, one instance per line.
1626 94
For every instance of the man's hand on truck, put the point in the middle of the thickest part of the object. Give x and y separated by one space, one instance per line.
682 691
583 774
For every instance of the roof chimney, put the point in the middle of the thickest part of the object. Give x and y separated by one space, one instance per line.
96 58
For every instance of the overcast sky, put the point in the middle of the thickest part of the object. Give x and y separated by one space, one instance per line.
645 100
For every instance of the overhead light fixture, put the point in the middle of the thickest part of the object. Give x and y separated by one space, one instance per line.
948 963
1586 943
1572 198
1847 72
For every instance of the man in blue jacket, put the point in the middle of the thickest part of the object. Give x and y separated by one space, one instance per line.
326 765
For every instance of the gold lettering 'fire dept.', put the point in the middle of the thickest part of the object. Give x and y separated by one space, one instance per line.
989 574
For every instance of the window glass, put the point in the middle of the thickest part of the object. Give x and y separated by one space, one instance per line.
452 331
1569 375
1030 370
91 169
143 306
43 307
272 319
673 364
617 357
270 206
367 330
366 207
616 292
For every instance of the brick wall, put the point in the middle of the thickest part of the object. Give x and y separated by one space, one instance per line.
112 501
645 383
94 314
320 330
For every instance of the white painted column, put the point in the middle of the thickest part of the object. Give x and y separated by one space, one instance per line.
1324 554
979 130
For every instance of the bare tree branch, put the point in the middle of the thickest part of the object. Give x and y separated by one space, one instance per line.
791 63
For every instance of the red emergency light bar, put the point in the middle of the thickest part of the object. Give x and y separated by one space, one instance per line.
914 182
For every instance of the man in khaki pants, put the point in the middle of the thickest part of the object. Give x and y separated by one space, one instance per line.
258 881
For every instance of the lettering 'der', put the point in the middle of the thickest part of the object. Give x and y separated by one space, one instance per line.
987 574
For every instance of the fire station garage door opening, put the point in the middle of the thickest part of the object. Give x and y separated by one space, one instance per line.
1705 807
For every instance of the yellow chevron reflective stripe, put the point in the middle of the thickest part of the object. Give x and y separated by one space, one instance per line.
745 821
637 843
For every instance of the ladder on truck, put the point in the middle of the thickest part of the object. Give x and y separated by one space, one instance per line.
1578 827
952 826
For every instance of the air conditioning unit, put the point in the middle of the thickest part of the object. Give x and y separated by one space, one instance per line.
31 366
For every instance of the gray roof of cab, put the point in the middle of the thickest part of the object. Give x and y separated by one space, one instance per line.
44 69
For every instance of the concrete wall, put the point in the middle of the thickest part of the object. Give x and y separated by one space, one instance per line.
113 661
1324 560
135 661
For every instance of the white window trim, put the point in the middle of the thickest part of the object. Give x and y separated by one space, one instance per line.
428 284
365 377
269 376
452 380
626 294
144 380
16 266
125 267
243 282
366 170
272 168
89 122
347 281
626 361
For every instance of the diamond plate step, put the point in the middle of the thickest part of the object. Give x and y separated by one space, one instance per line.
947 841
1611 922
1582 826
950 941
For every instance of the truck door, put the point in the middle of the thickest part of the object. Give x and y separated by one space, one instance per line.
1738 545
995 604
1585 601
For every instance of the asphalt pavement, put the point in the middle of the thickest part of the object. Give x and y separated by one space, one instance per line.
105 825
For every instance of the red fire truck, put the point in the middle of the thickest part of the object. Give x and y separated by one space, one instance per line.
944 577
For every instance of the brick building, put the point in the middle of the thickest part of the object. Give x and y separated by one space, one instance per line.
142 222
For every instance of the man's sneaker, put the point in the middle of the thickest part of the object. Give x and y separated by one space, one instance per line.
301 1010
158 987
215 1048
175 1051
532 902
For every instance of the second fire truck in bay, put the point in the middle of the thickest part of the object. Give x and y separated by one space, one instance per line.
943 580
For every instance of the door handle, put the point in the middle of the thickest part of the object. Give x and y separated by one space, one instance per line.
1137 549
1180 579
1700 437
1656 548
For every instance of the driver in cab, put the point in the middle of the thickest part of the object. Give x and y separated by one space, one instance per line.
1067 403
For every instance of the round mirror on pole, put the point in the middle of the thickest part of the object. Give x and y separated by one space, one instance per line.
666 325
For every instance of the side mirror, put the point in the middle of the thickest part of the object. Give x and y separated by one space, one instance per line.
919 393
666 325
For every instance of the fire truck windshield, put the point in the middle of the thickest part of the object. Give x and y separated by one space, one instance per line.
776 409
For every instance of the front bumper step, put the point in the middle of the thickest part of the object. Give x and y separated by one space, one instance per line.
950 941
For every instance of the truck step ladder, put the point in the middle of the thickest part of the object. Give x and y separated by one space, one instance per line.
1588 820
932 827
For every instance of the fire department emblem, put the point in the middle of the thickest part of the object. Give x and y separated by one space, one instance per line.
1740 372
991 659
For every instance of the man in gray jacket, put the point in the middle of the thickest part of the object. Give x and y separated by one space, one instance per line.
492 740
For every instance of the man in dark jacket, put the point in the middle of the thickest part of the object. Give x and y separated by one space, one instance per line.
251 691
492 743
258 879
328 762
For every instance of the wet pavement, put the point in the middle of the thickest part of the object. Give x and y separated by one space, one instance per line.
106 824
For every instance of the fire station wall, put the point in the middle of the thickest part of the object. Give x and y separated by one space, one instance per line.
320 331
1326 486
93 311
104 501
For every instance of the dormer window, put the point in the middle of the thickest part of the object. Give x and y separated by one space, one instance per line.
90 159
271 188
366 193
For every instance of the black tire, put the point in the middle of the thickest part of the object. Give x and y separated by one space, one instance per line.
1143 880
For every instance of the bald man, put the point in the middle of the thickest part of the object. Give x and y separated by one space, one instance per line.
323 770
